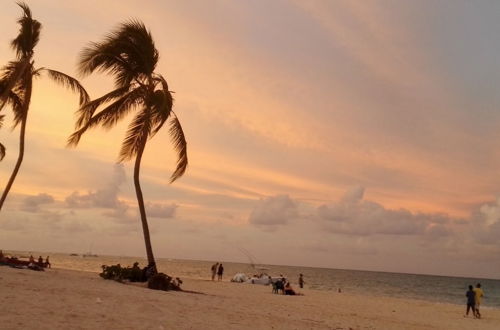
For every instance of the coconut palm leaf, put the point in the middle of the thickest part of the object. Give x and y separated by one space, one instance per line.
161 108
180 145
69 82
137 135
128 53
29 33
2 147
10 77
16 103
110 115
2 151
87 110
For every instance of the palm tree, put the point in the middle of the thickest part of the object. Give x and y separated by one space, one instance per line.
16 82
129 54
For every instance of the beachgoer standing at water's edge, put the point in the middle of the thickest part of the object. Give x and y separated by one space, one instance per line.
220 271
301 281
214 270
471 302
479 294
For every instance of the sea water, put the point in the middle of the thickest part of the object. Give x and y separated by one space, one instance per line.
440 289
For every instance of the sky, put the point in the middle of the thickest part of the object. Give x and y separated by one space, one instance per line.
339 134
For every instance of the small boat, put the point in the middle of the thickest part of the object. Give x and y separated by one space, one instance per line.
74 254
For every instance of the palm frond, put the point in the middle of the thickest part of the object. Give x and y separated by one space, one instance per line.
2 151
137 134
128 53
75 137
117 110
29 33
162 81
20 98
17 104
180 145
161 109
87 110
2 147
110 115
10 76
69 82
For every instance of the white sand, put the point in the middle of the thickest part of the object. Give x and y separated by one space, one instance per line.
64 299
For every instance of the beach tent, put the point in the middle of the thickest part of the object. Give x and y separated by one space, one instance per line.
240 278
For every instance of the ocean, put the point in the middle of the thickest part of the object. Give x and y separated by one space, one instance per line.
436 289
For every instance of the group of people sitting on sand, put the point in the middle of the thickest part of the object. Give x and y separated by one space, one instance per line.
133 274
283 285
33 264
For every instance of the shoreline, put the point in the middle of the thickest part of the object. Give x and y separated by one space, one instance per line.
59 298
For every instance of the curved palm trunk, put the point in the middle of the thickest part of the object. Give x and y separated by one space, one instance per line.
142 209
21 143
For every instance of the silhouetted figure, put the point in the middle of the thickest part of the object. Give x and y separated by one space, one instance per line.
149 271
289 291
479 294
40 260
214 270
301 281
220 271
47 262
135 273
279 286
32 259
471 301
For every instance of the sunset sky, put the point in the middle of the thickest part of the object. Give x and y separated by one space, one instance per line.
342 134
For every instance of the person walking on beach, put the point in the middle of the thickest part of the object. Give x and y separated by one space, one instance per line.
214 270
301 281
220 271
479 294
471 302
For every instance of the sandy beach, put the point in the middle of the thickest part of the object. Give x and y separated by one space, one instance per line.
66 299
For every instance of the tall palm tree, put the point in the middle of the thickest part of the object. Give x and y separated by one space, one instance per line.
16 82
129 54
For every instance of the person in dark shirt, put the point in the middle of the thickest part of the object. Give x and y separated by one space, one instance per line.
301 281
220 271
471 301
